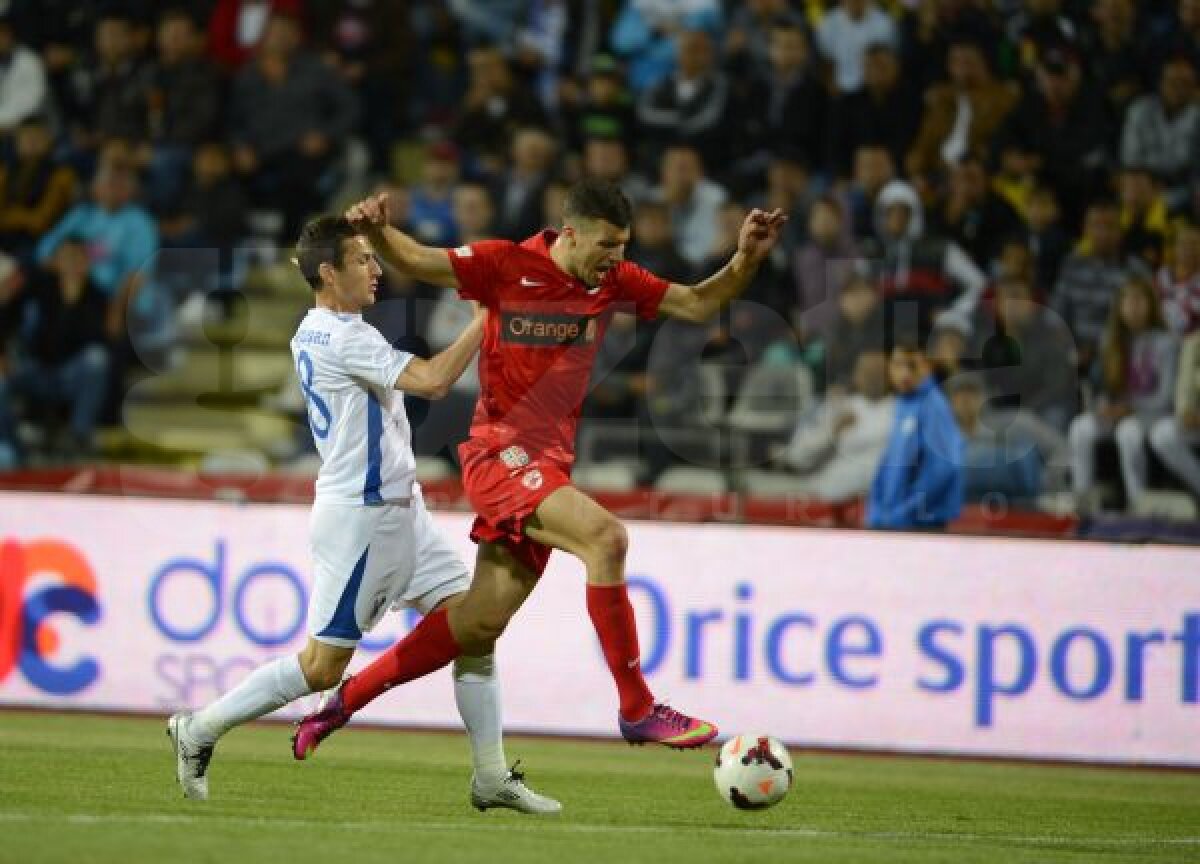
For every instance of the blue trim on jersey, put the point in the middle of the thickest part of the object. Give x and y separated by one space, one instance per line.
371 494
344 624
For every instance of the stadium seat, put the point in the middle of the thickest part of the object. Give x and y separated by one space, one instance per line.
241 461
687 480
615 476
1170 504
234 375
767 484
431 469
772 399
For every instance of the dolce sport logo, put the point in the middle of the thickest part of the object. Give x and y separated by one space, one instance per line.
39 580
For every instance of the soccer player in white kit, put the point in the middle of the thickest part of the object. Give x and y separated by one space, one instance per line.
373 543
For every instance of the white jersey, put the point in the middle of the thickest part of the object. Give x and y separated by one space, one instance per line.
348 374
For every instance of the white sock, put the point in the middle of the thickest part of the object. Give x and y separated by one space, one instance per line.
477 693
266 689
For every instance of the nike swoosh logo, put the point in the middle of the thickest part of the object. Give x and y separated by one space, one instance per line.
529 283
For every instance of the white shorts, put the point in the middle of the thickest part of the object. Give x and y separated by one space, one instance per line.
367 559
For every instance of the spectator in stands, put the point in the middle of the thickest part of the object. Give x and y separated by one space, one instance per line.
1067 128
184 106
23 87
653 243
747 39
844 35
1179 38
644 33
113 100
64 362
1162 130
10 322
924 272
838 452
518 193
1179 283
873 170
820 267
1041 28
786 103
431 204
1090 278
790 188
35 188
289 114
608 159
919 481
1145 222
886 113
694 202
1175 437
210 217
999 463
121 238
474 212
949 346
1028 357
931 28
373 46
494 107
488 22
858 329
1138 364
1113 58
540 44
237 28
973 215
1046 239
602 110
690 105
961 116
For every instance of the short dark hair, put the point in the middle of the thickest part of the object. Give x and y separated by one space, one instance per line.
322 242
598 199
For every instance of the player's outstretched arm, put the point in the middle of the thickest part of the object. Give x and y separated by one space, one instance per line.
427 264
433 378
700 302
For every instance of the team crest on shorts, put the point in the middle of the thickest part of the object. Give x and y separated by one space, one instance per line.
514 457
532 480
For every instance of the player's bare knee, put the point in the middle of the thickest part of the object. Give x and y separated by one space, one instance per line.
321 673
487 629
611 543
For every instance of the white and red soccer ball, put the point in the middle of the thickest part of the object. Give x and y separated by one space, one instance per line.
753 772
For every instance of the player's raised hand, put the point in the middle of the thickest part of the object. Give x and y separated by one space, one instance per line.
371 212
759 232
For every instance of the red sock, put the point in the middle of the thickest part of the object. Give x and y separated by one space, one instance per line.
429 647
612 616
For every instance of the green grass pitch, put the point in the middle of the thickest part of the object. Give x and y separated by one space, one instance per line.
87 790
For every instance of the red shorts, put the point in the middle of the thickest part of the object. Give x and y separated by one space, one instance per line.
505 487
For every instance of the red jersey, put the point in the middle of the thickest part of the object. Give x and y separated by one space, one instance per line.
543 331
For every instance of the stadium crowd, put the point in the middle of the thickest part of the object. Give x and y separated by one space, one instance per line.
1018 179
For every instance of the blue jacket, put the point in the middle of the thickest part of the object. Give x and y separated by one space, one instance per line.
119 243
919 482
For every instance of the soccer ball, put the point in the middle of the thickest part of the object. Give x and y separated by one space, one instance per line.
753 772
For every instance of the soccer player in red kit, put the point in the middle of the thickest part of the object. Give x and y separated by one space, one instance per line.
549 301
